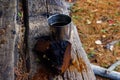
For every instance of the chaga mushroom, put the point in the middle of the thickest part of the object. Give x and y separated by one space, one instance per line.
56 55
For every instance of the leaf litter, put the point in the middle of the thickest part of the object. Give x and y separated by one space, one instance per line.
98 24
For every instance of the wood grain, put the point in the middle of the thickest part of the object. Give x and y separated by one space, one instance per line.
12 42
80 68
7 38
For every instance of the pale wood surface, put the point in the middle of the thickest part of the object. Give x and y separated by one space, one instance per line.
80 69
112 75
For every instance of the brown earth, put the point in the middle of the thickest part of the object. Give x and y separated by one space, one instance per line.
98 24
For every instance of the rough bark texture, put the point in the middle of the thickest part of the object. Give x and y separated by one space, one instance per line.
12 30
80 68
7 38
14 59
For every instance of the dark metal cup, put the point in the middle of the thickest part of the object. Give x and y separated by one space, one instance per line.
60 26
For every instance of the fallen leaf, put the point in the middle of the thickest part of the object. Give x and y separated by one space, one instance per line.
111 22
98 42
104 36
19 14
89 1
111 48
99 21
94 10
88 21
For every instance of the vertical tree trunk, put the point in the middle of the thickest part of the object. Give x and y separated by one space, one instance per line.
15 32
7 38
39 10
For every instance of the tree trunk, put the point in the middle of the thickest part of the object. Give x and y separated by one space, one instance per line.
39 10
21 22
7 38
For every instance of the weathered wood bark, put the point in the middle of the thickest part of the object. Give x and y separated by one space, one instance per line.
13 35
80 68
7 38
12 50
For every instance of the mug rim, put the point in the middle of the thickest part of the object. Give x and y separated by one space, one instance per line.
68 19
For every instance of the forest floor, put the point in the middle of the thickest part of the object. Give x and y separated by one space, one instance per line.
98 24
